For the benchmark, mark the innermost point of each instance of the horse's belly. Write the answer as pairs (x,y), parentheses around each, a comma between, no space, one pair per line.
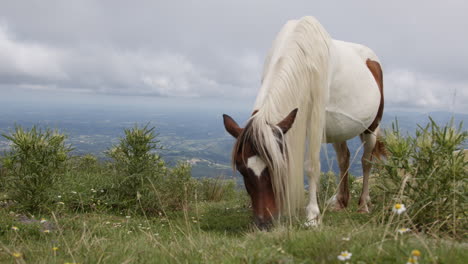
(342,126)
(354,97)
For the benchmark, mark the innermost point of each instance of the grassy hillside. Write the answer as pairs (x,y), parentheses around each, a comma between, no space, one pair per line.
(213,232)
(135,208)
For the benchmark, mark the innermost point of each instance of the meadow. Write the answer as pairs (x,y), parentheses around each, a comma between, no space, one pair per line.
(134,208)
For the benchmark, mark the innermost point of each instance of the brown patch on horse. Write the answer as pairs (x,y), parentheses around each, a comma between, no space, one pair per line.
(376,71)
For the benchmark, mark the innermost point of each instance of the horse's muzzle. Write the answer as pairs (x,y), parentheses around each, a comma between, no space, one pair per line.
(262,224)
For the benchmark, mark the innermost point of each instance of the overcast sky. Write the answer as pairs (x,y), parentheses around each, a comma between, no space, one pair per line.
(215,49)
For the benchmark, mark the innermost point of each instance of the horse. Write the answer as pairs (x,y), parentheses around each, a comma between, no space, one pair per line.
(314,90)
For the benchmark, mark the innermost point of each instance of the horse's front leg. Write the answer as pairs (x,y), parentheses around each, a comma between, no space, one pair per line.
(312,209)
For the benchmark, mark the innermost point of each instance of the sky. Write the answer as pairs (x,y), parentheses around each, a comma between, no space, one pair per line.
(213,50)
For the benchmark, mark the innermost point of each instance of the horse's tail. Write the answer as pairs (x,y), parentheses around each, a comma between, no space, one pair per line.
(380,151)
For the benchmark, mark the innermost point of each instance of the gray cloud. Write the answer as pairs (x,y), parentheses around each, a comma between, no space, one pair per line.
(216,48)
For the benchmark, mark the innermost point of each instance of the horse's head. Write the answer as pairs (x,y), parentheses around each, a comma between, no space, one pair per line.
(253,165)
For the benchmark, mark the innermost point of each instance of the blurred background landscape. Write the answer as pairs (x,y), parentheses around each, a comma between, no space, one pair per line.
(190,130)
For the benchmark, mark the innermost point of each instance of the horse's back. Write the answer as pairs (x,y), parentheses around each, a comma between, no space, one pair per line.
(354,95)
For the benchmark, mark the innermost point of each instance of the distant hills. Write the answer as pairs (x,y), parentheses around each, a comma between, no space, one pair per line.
(194,135)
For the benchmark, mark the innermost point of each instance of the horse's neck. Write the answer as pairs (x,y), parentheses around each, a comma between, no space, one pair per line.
(296,70)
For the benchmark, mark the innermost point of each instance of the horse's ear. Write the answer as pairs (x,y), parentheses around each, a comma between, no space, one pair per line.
(231,126)
(287,122)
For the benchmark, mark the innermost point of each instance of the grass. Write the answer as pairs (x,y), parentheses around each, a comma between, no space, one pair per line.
(213,232)
(164,216)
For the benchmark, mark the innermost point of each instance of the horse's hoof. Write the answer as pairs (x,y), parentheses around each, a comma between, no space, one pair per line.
(311,223)
(363,210)
(338,207)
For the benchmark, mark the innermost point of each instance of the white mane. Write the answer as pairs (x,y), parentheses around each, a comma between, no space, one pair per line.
(296,75)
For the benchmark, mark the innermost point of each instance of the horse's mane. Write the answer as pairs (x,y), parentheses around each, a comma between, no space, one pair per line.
(295,76)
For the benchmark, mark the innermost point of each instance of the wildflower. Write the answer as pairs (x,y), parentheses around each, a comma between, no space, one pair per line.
(345,238)
(128,217)
(73,192)
(60,203)
(16,254)
(107,223)
(415,254)
(403,230)
(14,228)
(43,220)
(55,248)
(59,196)
(412,260)
(281,250)
(345,255)
(47,231)
(399,208)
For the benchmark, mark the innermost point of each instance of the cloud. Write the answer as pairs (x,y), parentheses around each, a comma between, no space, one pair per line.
(216,48)
(414,90)
(29,60)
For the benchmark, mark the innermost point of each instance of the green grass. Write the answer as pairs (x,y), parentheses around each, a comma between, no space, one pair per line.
(209,232)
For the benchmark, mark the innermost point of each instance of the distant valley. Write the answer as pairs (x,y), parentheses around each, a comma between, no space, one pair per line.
(195,136)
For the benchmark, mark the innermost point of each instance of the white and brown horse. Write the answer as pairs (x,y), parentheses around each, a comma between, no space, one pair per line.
(314,90)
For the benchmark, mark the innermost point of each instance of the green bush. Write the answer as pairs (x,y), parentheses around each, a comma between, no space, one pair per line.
(215,190)
(425,174)
(134,163)
(34,164)
(142,181)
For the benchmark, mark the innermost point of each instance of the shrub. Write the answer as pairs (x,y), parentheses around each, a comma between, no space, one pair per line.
(424,173)
(134,163)
(216,189)
(172,191)
(34,164)
(142,180)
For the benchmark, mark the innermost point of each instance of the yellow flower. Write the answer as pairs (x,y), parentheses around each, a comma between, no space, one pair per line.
(403,230)
(412,260)
(345,255)
(399,208)
(14,228)
(416,253)
(47,231)
(16,254)
(43,220)
(55,248)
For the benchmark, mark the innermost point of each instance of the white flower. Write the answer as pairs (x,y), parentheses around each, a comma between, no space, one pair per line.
(399,208)
(345,238)
(43,220)
(14,228)
(403,230)
(345,255)
(73,192)
(59,196)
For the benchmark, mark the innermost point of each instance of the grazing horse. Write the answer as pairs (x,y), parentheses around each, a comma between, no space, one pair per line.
(314,90)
